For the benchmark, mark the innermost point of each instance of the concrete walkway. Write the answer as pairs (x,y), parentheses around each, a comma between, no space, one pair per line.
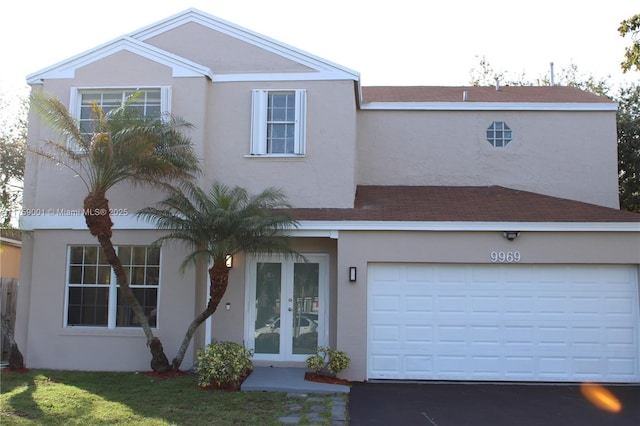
(287,380)
(307,402)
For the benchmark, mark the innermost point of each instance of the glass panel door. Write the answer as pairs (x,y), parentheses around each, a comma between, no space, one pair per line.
(287,318)
(306,305)
(267,316)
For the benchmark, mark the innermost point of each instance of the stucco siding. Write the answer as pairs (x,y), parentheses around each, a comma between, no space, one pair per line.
(323,177)
(227,54)
(9,260)
(48,344)
(548,153)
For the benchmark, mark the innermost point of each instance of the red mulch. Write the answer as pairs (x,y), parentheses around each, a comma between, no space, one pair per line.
(227,387)
(166,375)
(20,370)
(321,378)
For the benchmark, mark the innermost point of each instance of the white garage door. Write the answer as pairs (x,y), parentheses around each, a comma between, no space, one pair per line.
(503,322)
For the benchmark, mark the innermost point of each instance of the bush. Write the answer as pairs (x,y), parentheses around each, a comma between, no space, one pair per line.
(224,364)
(327,360)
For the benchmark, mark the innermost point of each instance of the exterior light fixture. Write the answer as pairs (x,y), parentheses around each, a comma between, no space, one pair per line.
(511,235)
(228,260)
(353,274)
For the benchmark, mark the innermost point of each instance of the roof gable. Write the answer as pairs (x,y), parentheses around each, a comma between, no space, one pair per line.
(323,68)
(181,67)
(136,42)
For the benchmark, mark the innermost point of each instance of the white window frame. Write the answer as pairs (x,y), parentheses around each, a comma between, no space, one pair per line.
(75,101)
(113,292)
(503,140)
(260,98)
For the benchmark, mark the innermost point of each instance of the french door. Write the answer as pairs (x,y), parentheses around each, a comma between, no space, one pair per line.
(287,307)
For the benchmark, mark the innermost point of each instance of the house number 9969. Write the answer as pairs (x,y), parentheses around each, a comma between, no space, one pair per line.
(505,256)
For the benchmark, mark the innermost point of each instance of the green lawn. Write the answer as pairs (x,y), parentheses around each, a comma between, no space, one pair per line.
(47,397)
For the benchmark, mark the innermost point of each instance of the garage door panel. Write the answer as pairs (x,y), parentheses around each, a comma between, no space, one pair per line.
(386,303)
(559,326)
(621,338)
(419,303)
(419,334)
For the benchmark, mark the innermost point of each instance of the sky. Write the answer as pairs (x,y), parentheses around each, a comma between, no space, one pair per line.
(399,42)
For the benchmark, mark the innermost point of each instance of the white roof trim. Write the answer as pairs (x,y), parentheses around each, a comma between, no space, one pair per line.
(331,228)
(298,76)
(348,225)
(10,242)
(322,66)
(181,67)
(489,106)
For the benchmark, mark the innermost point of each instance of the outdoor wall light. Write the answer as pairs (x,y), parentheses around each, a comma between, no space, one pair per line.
(228,260)
(353,274)
(511,235)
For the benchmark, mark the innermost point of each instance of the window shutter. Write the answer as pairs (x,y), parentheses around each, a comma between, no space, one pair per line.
(165,99)
(301,125)
(259,122)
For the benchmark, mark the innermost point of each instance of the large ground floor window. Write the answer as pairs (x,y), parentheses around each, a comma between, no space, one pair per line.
(94,298)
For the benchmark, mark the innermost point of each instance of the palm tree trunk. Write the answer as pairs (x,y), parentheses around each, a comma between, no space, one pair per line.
(96,214)
(218,282)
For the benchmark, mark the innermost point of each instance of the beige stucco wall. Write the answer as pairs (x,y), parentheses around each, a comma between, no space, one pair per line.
(361,248)
(50,186)
(324,177)
(221,115)
(46,343)
(564,154)
(9,260)
(222,54)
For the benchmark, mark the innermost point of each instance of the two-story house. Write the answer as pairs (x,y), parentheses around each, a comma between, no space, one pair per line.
(457,233)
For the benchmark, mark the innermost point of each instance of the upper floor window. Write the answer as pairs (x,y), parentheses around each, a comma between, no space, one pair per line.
(278,122)
(93,296)
(499,134)
(150,102)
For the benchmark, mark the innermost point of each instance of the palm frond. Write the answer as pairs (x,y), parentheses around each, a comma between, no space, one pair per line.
(123,146)
(224,220)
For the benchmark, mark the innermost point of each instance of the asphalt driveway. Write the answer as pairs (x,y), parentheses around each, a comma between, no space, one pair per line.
(458,404)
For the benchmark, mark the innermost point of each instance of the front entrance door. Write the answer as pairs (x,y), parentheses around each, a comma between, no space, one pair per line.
(287,312)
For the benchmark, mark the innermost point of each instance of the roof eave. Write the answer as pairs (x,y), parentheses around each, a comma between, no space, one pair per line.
(467,226)
(181,67)
(488,106)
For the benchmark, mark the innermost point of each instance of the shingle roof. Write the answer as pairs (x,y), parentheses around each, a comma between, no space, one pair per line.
(552,94)
(463,204)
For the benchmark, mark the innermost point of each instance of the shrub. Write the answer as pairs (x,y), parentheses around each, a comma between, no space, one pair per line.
(328,360)
(224,364)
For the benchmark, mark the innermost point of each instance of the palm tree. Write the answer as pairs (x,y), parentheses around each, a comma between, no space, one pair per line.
(122,146)
(218,223)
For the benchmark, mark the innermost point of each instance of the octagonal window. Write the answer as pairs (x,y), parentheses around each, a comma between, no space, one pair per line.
(499,134)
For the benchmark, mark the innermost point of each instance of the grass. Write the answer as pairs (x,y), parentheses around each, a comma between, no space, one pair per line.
(47,397)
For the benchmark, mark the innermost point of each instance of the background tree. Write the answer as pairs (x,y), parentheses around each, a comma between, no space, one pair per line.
(124,146)
(13,142)
(217,223)
(629,147)
(631,27)
(627,119)
(486,75)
